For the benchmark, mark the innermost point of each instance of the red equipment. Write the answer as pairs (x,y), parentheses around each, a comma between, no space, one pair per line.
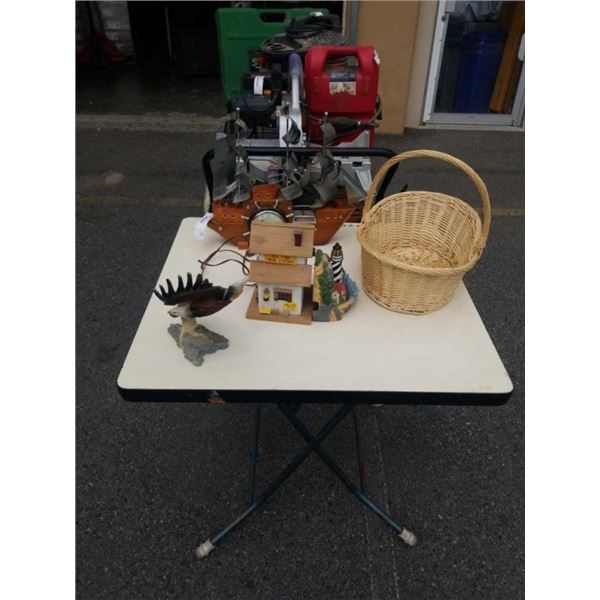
(342,82)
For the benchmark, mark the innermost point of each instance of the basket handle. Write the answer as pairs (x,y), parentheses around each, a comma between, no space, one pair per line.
(485,197)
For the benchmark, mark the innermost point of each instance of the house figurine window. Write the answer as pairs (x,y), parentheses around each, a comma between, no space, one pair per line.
(284,295)
(281,272)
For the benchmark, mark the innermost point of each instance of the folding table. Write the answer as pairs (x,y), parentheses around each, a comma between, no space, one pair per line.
(372,356)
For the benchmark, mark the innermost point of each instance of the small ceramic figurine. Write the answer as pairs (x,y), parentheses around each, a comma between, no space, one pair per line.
(334,292)
(196,299)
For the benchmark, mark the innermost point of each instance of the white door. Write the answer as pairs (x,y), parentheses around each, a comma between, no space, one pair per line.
(477,66)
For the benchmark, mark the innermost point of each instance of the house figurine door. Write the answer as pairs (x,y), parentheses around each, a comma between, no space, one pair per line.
(281,272)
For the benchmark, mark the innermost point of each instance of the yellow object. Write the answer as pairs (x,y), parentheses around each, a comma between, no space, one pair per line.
(291,306)
(264,310)
(416,246)
(280,260)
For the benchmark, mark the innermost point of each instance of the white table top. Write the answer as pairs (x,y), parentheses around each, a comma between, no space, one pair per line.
(447,353)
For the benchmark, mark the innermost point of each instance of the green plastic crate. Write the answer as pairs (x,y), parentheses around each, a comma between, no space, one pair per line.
(242,29)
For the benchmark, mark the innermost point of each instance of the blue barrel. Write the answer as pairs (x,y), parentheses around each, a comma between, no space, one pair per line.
(480,56)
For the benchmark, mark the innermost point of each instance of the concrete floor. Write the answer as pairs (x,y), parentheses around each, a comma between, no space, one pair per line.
(153,480)
(148,87)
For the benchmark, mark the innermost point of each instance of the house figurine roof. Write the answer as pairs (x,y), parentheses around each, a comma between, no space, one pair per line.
(284,239)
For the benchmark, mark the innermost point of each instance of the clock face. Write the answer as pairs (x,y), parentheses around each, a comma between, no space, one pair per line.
(268,215)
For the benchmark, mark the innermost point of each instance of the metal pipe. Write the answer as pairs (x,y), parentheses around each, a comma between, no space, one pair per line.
(353,33)
(341,475)
(295,74)
(359,457)
(208,174)
(210,544)
(255,443)
(168,24)
(343,151)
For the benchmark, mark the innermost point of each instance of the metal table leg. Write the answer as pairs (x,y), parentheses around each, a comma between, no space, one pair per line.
(255,443)
(404,533)
(359,458)
(209,545)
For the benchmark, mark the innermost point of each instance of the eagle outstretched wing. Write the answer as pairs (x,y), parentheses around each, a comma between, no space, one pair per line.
(191,292)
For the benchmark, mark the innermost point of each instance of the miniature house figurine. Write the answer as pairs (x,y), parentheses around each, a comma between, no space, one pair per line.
(281,272)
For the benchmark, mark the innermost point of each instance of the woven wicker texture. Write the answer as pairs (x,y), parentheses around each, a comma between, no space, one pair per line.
(416,246)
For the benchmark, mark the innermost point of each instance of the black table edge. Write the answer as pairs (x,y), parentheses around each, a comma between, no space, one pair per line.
(318,397)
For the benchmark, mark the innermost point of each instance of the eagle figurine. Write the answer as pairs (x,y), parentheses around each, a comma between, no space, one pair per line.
(195,299)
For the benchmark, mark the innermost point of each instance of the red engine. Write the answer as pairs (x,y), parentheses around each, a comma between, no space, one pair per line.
(342,82)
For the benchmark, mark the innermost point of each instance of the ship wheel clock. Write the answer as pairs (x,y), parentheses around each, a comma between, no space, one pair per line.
(264,206)
(268,215)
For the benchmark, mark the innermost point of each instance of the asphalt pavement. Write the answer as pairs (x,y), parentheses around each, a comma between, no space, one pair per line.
(155,479)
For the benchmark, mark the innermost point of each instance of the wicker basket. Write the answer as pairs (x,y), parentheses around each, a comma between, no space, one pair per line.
(416,246)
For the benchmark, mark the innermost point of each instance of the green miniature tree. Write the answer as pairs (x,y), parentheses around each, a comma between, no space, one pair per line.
(318,257)
(326,288)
